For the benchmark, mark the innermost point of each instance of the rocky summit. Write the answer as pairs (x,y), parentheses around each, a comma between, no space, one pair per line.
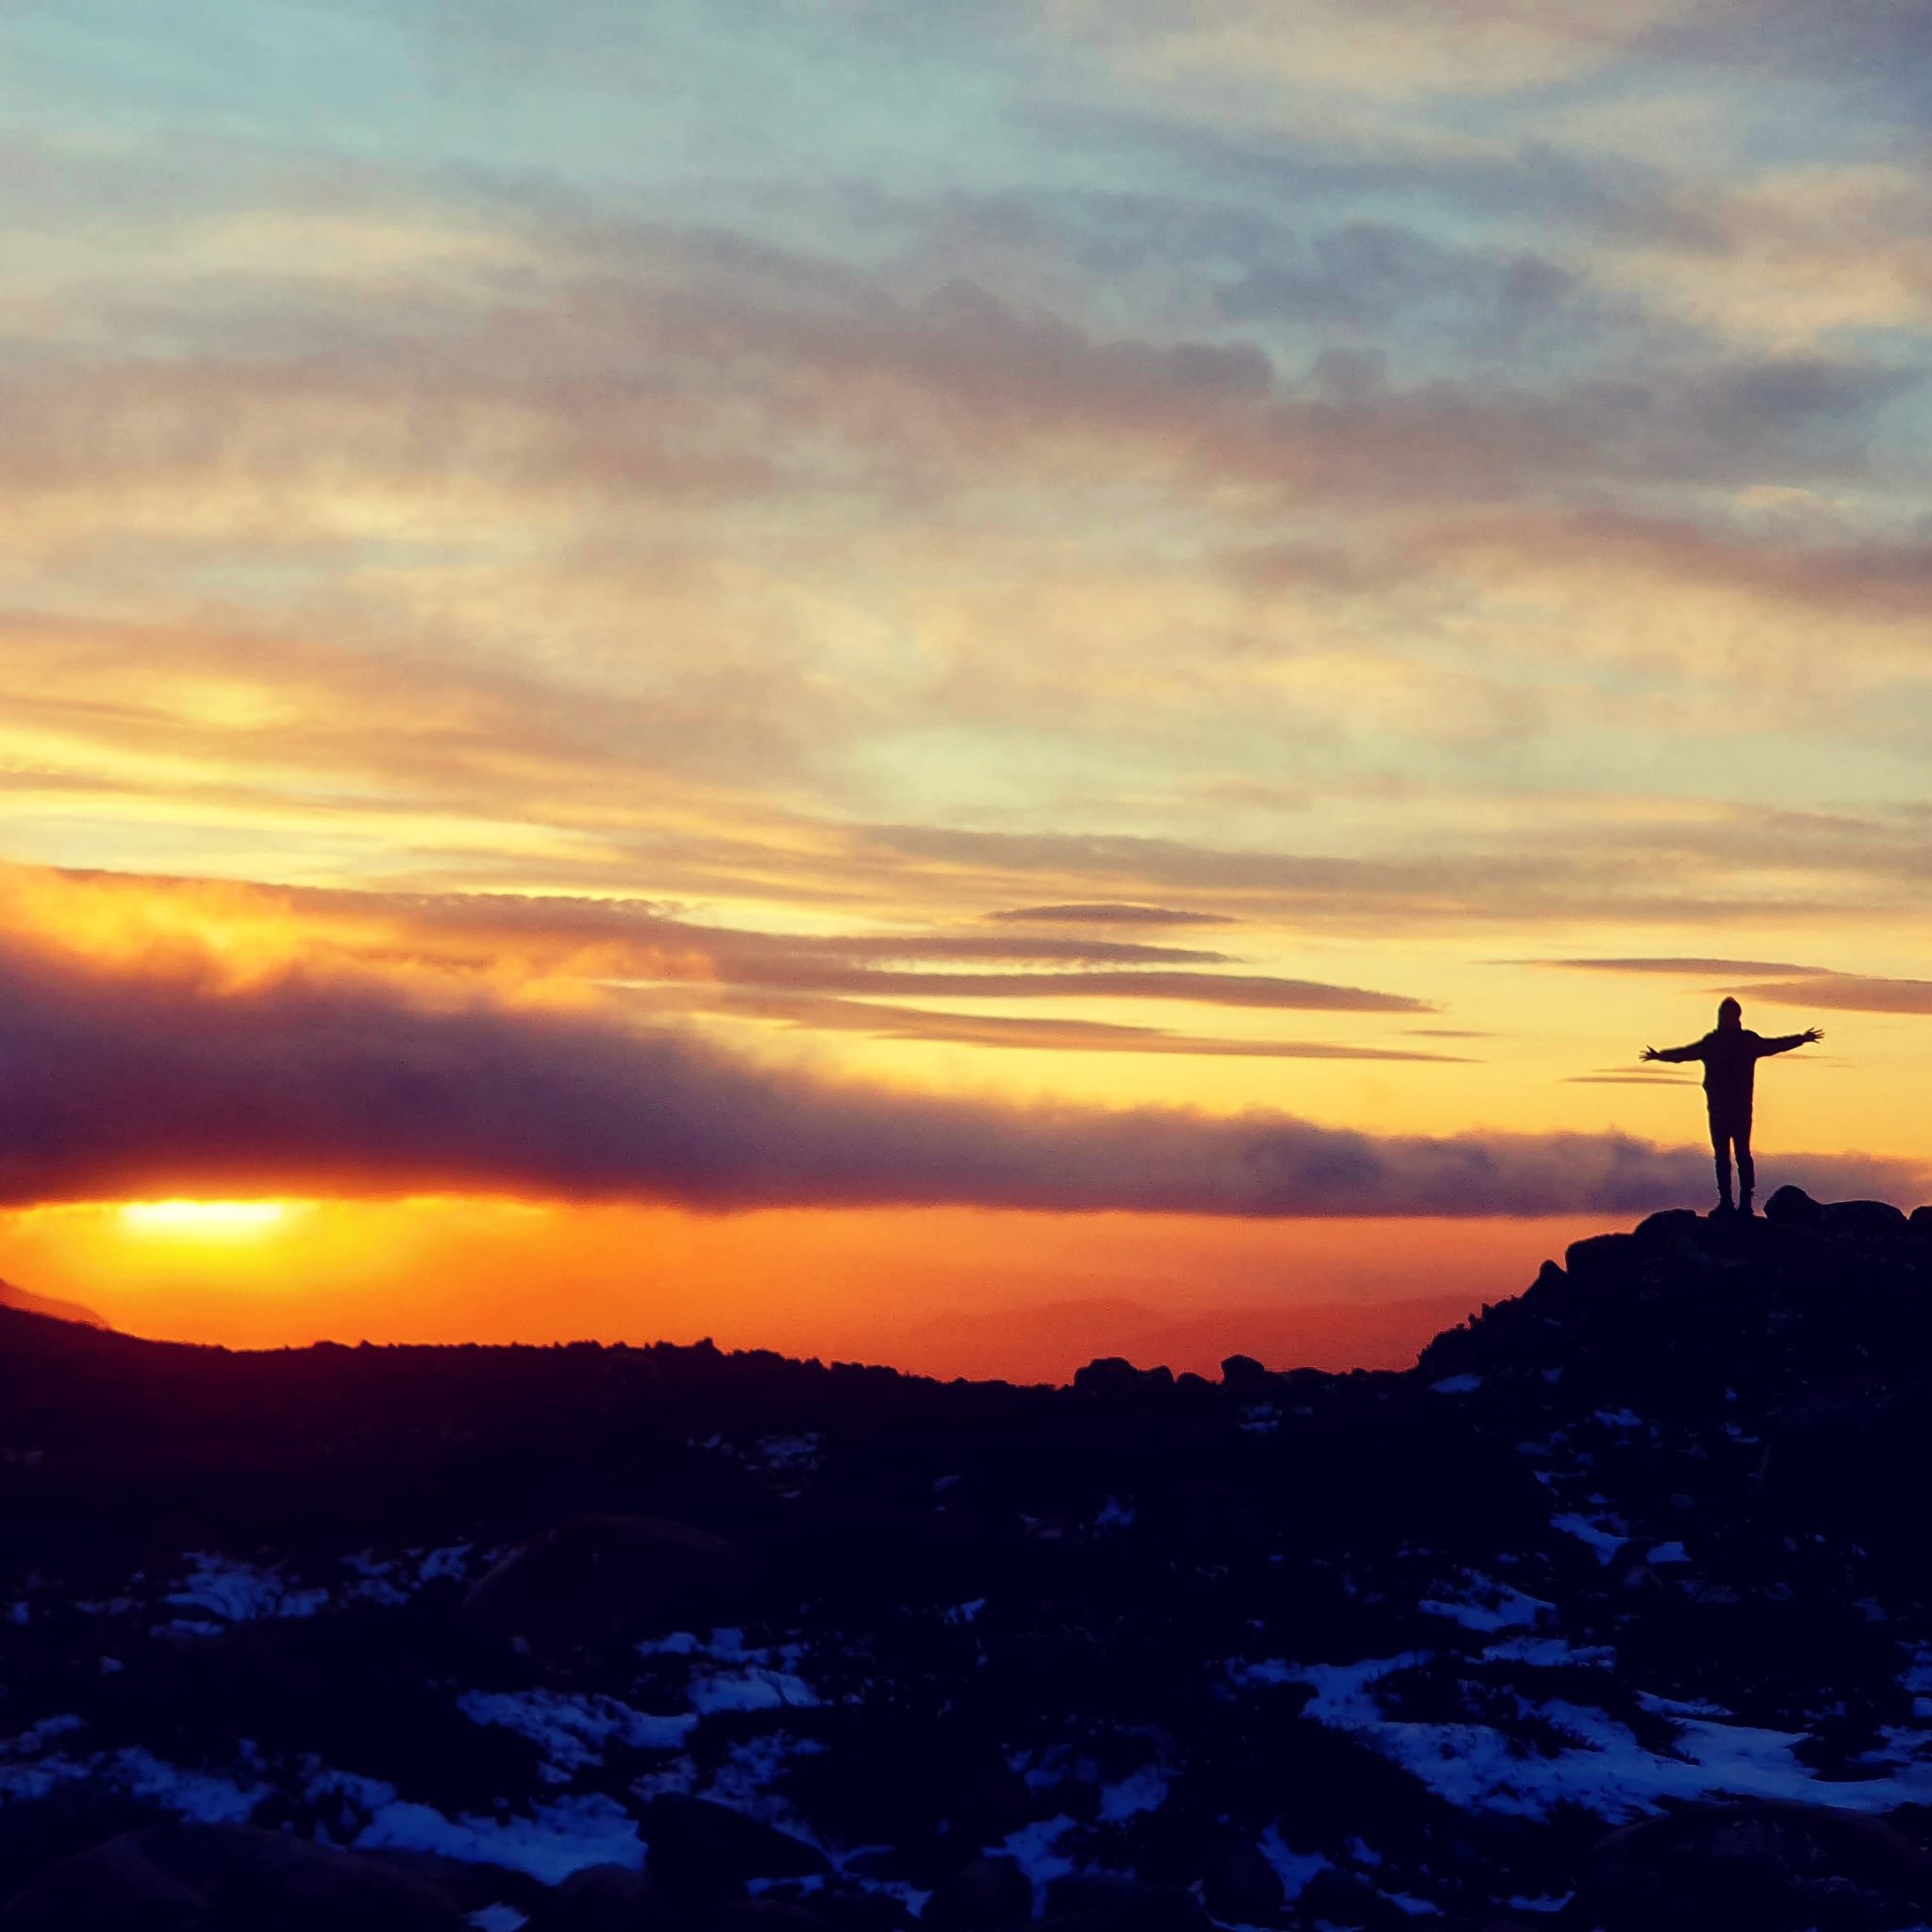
(1615,1611)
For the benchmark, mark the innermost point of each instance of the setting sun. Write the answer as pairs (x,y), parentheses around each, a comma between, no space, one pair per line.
(203,1219)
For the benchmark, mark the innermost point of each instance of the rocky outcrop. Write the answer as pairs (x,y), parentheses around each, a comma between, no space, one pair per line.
(1763,1864)
(595,1578)
(1615,1611)
(225,1878)
(700,1849)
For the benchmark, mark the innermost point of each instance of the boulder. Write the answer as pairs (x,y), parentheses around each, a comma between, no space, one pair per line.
(116,1884)
(702,1850)
(1793,1208)
(1670,1224)
(981,1896)
(603,1898)
(1116,1899)
(1863,1221)
(1244,1375)
(227,1878)
(600,1579)
(1113,1374)
(768,1915)
(469,1885)
(879,1781)
(1774,1866)
(1920,1223)
(1107,1374)
(1238,1884)
(1336,1897)
(1602,1257)
(855,1909)
(36,1833)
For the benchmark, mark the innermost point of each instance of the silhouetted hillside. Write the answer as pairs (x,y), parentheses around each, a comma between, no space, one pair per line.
(1616,1612)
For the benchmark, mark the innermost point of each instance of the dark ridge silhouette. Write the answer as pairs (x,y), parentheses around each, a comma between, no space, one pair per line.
(1729,1054)
(1619,1603)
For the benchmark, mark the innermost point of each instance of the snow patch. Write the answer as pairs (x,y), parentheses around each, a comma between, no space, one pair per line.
(375,1580)
(573,1731)
(552,1842)
(799,1451)
(1484,1604)
(1294,1869)
(1602,1766)
(227,1592)
(756,1688)
(206,1797)
(1032,1848)
(497,1917)
(1605,1542)
(1141,1790)
(1549,1652)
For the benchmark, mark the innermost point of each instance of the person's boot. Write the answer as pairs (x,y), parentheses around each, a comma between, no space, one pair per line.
(1723,1187)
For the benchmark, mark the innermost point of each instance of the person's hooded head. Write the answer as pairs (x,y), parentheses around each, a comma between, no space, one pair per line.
(1730,1015)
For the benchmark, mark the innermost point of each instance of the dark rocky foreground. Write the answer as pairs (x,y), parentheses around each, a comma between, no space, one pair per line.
(1616,1612)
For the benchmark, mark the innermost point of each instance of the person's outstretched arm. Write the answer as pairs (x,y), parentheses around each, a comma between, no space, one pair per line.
(1693,1052)
(1784,1041)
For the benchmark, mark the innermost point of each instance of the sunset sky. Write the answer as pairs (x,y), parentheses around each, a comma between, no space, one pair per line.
(970,683)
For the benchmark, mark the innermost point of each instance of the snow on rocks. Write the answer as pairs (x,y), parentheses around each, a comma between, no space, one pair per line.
(499,1918)
(219,1591)
(547,1842)
(1479,1603)
(1035,1849)
(724,1673)
(1363,1650)
(1604,1542)
(1294,1869)
(574,1730)
(1598,1764)
(1144,1790)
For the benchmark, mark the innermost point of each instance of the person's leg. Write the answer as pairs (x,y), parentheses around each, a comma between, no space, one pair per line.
(1747,1171)
(1720,1151)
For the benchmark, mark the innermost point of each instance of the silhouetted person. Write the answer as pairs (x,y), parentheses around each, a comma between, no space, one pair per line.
(1730,1053)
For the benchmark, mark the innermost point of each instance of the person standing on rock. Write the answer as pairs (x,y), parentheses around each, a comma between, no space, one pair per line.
(1730,1053)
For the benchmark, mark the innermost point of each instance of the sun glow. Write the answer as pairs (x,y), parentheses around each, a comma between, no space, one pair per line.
(204,1219)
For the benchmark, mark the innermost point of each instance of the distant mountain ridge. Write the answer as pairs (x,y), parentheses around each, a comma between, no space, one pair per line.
(1615,1611)
(28,1304)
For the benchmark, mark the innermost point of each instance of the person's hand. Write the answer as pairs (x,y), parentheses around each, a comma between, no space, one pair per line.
(1812,1033)
(1650,1053)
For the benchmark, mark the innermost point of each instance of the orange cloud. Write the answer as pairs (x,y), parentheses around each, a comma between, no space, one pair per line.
(179,1078)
